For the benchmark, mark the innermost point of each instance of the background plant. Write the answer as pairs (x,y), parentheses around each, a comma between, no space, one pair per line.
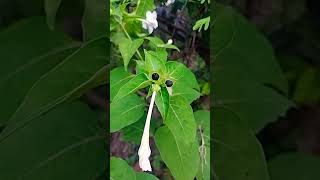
(264,90)
(53,65)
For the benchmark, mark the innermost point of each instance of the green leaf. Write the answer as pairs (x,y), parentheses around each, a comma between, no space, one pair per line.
(128,48)
(240,96)
(133,132)
(184,81)
(237,152)
(118,77)
(202,118)
(51,8)
(143,6)
(162,102)
(182,158)
(153,63)
(125,111)
(78,76)
(241,71)
(180,119)
(119,169)
(135,83)
(294,166)
(145,176)
(255,60)
(32,58)
(95,19)
(200,23)
(56,146)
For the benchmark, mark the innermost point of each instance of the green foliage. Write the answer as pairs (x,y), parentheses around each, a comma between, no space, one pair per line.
(202,22)
(237,152)
(119,169)
(55,146)
(250,69)
(294,166)
(47,132)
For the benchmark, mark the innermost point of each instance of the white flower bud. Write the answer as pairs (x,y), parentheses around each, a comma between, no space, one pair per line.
(170,41)
(169,2)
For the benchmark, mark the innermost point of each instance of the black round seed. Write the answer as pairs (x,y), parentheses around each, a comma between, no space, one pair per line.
(169,83)
(155,76)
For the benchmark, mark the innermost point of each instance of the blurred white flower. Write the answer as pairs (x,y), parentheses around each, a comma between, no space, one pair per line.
(169,2)
(144,149)
(170,41)
(150,23)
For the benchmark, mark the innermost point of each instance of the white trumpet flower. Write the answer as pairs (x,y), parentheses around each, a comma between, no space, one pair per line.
(144,149)
(150,23)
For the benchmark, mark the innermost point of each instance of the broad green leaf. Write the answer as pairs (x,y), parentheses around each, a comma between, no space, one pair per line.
(240,71)
(189,94)
(135,83)
(120,170)
(78,76)
(180,119)
(162,101)
(294,166)
(253,60)
(252,102)
(128,48)
(145,176)
(237,153)
(95,19)
(175,70)
(118,77)
(133,132)
(27,58)
(153,63)
(181,158)
(51,7)
(62,144)
(202,118)
(125,111)
(143,6)
(184,81)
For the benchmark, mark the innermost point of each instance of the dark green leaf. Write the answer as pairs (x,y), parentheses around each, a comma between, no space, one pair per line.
(78,76)
(237,152)
(26,59)
(62,144)
(95,19)
(51,7)
(294,166)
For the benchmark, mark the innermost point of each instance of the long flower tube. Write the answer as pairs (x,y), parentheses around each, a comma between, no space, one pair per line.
(144,149)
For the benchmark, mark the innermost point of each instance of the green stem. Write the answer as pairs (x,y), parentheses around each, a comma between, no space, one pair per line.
(125,31)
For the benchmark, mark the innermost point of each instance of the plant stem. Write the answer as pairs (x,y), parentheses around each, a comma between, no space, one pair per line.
(125,31)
